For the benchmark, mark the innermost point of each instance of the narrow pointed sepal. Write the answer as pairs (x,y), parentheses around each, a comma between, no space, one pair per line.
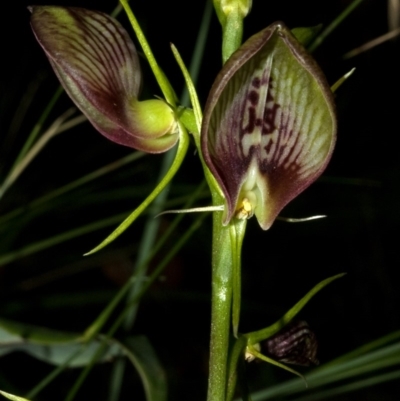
(97,64)
(269,125)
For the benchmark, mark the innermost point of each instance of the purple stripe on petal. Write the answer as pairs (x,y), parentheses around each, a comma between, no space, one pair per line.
(95,52)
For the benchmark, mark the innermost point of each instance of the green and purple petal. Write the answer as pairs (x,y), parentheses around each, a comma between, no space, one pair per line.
(97,64)
(269,125)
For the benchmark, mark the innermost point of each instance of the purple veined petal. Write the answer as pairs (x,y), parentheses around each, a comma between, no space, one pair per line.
(269,125)
(94,51)
(97,64)
(113,131)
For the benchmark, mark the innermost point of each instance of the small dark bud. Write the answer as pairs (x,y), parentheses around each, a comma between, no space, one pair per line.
(295,344)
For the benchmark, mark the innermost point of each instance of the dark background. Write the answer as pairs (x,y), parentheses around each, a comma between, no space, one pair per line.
(359,192)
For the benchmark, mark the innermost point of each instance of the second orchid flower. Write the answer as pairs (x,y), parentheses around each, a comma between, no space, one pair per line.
(97,64)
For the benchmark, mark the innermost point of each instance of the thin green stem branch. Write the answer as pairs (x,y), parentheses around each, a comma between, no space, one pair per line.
(180,155)
(148,238)
(56,372)
(237,231)
(162,80)
(34,151)
(38,126)
(333,25)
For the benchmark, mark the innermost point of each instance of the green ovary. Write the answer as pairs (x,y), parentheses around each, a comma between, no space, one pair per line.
(153,118)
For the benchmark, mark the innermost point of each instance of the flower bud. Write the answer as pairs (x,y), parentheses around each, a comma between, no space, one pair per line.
(295,344)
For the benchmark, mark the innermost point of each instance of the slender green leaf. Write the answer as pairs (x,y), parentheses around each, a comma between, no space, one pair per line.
(334,24)
(12,397)
(142,355)
(50,346)
(260,335)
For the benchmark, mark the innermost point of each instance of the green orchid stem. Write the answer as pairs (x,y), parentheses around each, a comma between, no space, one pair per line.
(226,254)
(221,301)
(226,250)
(232,34)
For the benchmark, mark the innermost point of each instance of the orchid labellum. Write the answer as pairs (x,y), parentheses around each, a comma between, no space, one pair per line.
(269,125)
(97,64)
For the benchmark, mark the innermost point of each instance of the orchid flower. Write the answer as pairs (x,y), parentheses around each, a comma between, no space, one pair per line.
(97,64)
(269,125)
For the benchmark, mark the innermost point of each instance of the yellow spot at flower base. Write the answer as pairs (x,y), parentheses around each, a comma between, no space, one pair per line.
(245,210)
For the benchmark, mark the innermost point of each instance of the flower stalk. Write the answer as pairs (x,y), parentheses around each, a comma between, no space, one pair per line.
(225,299)
(221,304)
